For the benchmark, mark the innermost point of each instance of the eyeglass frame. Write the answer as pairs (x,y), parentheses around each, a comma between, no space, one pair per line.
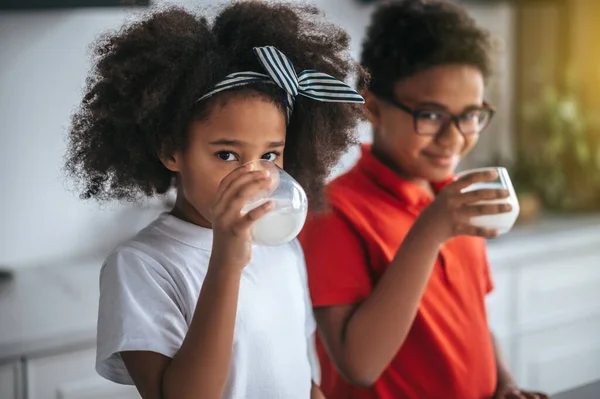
(453,118)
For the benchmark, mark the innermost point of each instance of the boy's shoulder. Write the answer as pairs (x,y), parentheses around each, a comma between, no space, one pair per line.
(359,203)
(356,192)
(354,184)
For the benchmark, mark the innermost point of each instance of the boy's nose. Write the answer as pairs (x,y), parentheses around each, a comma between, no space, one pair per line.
(451,137)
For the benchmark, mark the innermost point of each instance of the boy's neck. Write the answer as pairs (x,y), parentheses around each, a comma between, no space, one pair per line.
(381,157)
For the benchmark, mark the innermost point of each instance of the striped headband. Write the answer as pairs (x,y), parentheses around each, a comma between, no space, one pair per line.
(280,71)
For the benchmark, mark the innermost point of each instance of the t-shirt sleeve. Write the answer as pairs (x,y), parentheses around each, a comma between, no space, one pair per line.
(336,261)
(138,311)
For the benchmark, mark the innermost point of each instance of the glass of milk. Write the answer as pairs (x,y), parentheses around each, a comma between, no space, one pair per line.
(285,220)
(502,222)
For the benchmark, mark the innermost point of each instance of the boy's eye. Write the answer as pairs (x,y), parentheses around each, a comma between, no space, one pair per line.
(431,116)
(473,115)
(271,156)
(226,156)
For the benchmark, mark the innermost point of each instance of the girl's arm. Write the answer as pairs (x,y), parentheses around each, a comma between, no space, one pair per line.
(201,366)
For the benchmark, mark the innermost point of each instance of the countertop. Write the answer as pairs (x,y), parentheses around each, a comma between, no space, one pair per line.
(46,309)
(553,233)
(589,391)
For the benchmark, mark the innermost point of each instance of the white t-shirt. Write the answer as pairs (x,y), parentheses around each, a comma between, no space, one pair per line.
(148,292)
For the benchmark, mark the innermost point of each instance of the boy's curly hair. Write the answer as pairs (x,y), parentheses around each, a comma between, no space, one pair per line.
(408,36)
(141,96)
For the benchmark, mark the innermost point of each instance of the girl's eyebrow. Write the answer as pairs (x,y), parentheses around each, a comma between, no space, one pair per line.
(229,142)
(242,143)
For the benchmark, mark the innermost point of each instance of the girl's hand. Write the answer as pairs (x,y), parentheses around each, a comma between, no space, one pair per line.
(450,213)
(232,242)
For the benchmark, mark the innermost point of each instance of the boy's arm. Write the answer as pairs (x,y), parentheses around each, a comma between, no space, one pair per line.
(362,339)
(505,378)
(506,386)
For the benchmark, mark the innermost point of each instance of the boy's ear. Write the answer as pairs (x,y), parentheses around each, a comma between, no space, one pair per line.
(372,108)
(171,161)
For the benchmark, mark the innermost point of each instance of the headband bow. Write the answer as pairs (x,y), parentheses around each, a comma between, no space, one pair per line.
(280,71)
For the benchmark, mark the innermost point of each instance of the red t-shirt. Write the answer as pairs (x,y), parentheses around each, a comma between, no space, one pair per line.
(448,353)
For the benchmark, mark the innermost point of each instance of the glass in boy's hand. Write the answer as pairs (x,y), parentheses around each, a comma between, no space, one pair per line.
(285,220)
(502,222)
(454,208)
(232,242)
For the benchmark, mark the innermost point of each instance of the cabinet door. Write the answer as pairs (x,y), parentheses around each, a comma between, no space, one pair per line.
(96,388)
(71,376)
(561,358)
(11,382)
(500,302)
(500,305)
(558,290)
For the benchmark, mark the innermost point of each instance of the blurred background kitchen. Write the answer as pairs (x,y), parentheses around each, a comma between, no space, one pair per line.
(546,306)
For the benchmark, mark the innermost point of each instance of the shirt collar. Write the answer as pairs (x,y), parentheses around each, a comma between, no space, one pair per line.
(405,190)
(184,232)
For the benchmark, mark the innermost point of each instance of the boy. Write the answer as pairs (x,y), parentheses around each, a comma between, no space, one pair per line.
(398,276)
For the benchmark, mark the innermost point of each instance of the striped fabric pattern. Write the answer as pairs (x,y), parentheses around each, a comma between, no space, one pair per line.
(280,71)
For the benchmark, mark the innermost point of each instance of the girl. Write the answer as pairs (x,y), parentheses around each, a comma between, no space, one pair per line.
(397,274)
(189,308)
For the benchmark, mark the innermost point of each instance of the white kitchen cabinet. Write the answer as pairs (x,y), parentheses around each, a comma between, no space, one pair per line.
(545,309)
(557,359)
(71,375)
(97,388)
(545,312)
(500,303)
(560,288)
(48,347)
(11,382)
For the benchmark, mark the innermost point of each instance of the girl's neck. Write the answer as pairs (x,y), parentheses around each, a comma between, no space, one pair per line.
(185,211)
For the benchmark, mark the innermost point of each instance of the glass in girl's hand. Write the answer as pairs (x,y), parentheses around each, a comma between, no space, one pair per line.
(285,220)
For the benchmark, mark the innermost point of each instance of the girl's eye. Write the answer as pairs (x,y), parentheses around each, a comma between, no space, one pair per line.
(226,156)
(270,156)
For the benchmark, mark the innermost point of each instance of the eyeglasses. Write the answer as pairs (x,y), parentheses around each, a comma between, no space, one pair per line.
(429,122)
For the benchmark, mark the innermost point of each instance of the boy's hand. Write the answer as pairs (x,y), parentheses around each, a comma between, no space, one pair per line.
(511,392)
(451,211)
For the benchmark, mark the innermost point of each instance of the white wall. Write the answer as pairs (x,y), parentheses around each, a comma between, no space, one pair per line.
(497,139)
(354,19)
(43,65)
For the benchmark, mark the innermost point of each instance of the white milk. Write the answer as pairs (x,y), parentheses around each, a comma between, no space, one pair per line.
(502,222)
(278,226)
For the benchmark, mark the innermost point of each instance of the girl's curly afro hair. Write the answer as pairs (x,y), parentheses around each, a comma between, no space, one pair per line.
(141,95)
